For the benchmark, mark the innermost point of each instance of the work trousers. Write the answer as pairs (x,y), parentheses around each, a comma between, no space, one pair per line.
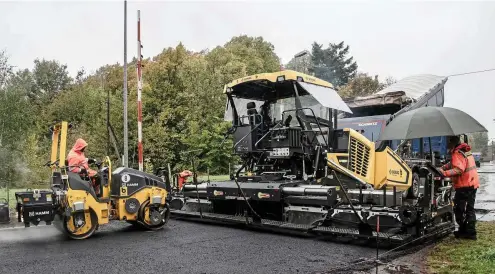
(464,210)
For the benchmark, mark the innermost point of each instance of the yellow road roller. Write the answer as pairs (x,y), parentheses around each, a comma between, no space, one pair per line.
(73,205)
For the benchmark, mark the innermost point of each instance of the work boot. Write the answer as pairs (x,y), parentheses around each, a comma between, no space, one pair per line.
(470,231)
(470,237)
(459,234)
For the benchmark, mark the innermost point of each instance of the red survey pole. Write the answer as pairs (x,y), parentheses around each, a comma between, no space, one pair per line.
(140,87)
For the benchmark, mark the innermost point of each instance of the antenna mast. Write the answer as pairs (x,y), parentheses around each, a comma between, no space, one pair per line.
(140,87)
(126,141)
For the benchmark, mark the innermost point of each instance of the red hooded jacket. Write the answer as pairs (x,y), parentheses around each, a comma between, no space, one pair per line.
(77,158)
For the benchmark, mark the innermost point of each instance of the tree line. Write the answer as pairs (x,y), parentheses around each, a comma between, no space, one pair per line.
(183,104)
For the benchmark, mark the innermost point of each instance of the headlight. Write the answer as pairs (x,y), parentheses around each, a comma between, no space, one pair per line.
(156,200)
(78,206)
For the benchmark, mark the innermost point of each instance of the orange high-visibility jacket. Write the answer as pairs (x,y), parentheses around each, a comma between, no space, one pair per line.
(77,158)
(462,168)
(183,177)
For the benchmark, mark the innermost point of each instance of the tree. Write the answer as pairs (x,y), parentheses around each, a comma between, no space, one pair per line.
(333,64)
(241,56)
(479,142)
(301,64)
(361,85)
(16,118)
(23,81)
(183,107)
(5,69)
(50,77)
(389,81)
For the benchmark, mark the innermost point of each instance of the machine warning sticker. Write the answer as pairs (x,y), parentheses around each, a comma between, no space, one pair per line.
(262,195)
(126,178)
(217,193)
(396,172)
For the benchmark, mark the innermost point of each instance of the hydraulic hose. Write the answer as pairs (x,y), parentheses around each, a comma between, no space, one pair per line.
(347,198)
(245,199)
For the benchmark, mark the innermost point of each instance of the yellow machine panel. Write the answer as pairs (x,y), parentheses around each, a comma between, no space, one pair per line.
(342,159)
(372,167)
(360,157)
(391,170)
(101,209)
(142,196)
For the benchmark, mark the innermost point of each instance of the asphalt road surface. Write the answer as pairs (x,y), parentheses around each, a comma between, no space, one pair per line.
(183,247)
(187,247)
(485,196)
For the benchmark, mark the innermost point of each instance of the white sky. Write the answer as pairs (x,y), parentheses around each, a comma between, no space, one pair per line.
(386,38)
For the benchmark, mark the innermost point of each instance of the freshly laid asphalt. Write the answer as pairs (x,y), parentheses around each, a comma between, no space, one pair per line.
(182,247)
(187,247)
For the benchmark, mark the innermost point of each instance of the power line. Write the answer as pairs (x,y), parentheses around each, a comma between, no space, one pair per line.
(472,72)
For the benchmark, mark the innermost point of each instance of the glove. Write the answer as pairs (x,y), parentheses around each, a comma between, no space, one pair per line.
(442,172)
(91,161)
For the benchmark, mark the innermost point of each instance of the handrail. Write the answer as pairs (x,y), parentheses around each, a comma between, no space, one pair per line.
(300,109)
(266,134)
(256,127)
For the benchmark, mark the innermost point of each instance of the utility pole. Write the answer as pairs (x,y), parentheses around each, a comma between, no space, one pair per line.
(103,74)
(125,160)
(140,88)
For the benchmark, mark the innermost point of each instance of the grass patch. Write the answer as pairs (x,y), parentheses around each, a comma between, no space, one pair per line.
(11,196)
(465,256)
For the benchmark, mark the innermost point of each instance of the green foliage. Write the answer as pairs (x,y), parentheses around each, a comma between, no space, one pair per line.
(301,64)
(5,69)
(183,107)
(363,85)
(333,64)
(479,142)
(16,120)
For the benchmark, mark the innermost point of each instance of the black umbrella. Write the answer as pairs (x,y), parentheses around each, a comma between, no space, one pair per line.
(430,122)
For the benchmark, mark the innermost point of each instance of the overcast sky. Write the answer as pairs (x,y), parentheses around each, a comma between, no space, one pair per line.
(388,39)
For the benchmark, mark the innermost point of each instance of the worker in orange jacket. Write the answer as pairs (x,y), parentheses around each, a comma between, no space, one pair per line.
(78,161)
(462,170)
(183,178)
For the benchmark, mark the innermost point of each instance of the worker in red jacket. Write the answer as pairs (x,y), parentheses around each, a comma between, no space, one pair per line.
(183,178)
(77,161)
(462,170)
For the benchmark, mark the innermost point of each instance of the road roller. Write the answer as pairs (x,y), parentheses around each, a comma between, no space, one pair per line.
(72,204)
